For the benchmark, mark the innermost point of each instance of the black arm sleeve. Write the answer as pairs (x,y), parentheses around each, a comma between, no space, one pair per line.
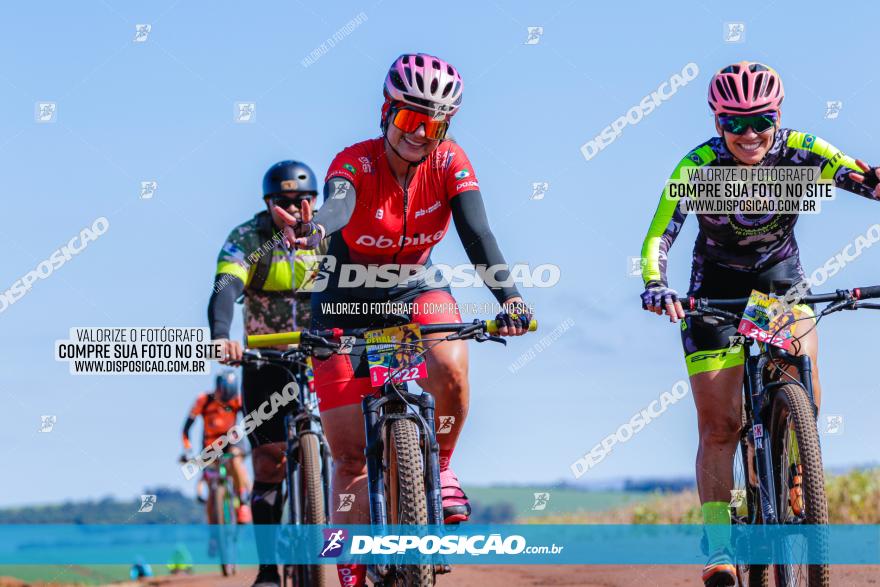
(187,425)
(221,306)
(469,216)
(338,205)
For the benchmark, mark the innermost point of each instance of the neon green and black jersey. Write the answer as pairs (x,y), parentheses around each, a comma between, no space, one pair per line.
(744,242)
(280,303)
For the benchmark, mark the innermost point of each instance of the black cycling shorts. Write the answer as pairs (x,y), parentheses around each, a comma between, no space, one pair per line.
(257,385)
(708,342)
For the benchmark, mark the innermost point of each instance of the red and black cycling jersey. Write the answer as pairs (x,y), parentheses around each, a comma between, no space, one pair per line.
(376,221)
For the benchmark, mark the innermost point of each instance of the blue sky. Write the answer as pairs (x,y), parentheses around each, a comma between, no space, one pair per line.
(163,110)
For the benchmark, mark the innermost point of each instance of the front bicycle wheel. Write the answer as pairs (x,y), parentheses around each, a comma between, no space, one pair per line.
(312,492)
(407,503)
(745,507)
(225,530)
(799,480)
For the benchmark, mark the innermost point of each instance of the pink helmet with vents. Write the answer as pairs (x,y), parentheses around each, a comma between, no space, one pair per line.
(744,88)
(424,82)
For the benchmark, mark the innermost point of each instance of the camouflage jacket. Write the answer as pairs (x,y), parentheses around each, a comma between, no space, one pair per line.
(282,302)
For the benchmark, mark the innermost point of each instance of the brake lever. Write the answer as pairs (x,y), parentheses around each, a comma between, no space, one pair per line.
(714,312)
(473,327)
(312,341)
(471,331)
(838,306)
(484,337)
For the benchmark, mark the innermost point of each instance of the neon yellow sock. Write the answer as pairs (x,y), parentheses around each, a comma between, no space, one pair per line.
(716,517)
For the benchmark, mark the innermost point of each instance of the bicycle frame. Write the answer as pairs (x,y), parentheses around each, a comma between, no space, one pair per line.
(390,403)
(217,476)
(301,419)
(757,397)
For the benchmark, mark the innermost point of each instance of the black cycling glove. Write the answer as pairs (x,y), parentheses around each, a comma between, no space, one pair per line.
(871,179)
(658,295)
(516,314)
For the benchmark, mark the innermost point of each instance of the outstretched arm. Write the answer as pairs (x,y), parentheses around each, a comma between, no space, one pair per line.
(221,306)
(668,219)
(191,417)
(339,200)
(186,427)
(852,175)
(472,225)
(665,226)
(307,230)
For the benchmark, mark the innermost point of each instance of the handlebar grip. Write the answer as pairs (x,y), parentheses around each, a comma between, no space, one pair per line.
(492,326)
(275,339)
(872,291)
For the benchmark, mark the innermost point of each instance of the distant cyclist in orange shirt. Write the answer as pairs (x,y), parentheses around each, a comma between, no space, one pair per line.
(219,410)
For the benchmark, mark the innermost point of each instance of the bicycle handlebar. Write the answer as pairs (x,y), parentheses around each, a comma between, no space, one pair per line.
(865,293)
(289,338)
(859,293)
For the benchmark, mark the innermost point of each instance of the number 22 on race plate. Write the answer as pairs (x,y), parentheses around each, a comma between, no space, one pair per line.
(395,353)
(757,323)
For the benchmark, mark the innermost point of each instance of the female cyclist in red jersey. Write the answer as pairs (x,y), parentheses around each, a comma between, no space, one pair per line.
(387,202)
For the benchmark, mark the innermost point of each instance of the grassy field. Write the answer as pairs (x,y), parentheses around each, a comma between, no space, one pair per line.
(523,502)
(81,574)
(853,498)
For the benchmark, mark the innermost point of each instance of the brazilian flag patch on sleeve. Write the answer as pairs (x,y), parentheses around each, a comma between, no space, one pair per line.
(808,141)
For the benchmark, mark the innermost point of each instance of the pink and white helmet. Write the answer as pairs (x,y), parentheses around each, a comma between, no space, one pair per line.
(426,82)
(744,88)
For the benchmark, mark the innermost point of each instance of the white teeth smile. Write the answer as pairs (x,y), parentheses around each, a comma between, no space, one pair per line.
(749,146)
(413,143)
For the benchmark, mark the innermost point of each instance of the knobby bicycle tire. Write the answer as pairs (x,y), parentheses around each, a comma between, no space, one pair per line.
(312,492)
(407,495)
(225,517)
(792,418)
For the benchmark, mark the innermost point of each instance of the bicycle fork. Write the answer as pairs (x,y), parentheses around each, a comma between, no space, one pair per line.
(375,422)
(292,471)
(759,398)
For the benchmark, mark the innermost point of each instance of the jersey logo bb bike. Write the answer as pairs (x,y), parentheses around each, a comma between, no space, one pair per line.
(384,242)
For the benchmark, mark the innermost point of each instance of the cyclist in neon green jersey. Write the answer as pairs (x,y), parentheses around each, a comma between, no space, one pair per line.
(274,283)
(734,254)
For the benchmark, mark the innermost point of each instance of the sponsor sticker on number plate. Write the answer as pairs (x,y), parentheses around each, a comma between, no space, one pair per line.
(396,354)
(310,374)
(757,322)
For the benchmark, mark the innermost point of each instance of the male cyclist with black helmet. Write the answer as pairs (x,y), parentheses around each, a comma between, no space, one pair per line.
(219,410)
(388,202)
(734,254)
(274,281)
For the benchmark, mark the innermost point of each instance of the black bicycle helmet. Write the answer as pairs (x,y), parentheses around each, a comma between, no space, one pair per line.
(289,176)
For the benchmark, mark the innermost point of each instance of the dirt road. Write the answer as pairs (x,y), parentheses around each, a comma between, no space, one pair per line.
(520,575)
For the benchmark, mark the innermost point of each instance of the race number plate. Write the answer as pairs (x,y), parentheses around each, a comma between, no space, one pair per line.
(766,321)
(396,354)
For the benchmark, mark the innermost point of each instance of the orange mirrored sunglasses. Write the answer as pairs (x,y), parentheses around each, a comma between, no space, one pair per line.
(409,121)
